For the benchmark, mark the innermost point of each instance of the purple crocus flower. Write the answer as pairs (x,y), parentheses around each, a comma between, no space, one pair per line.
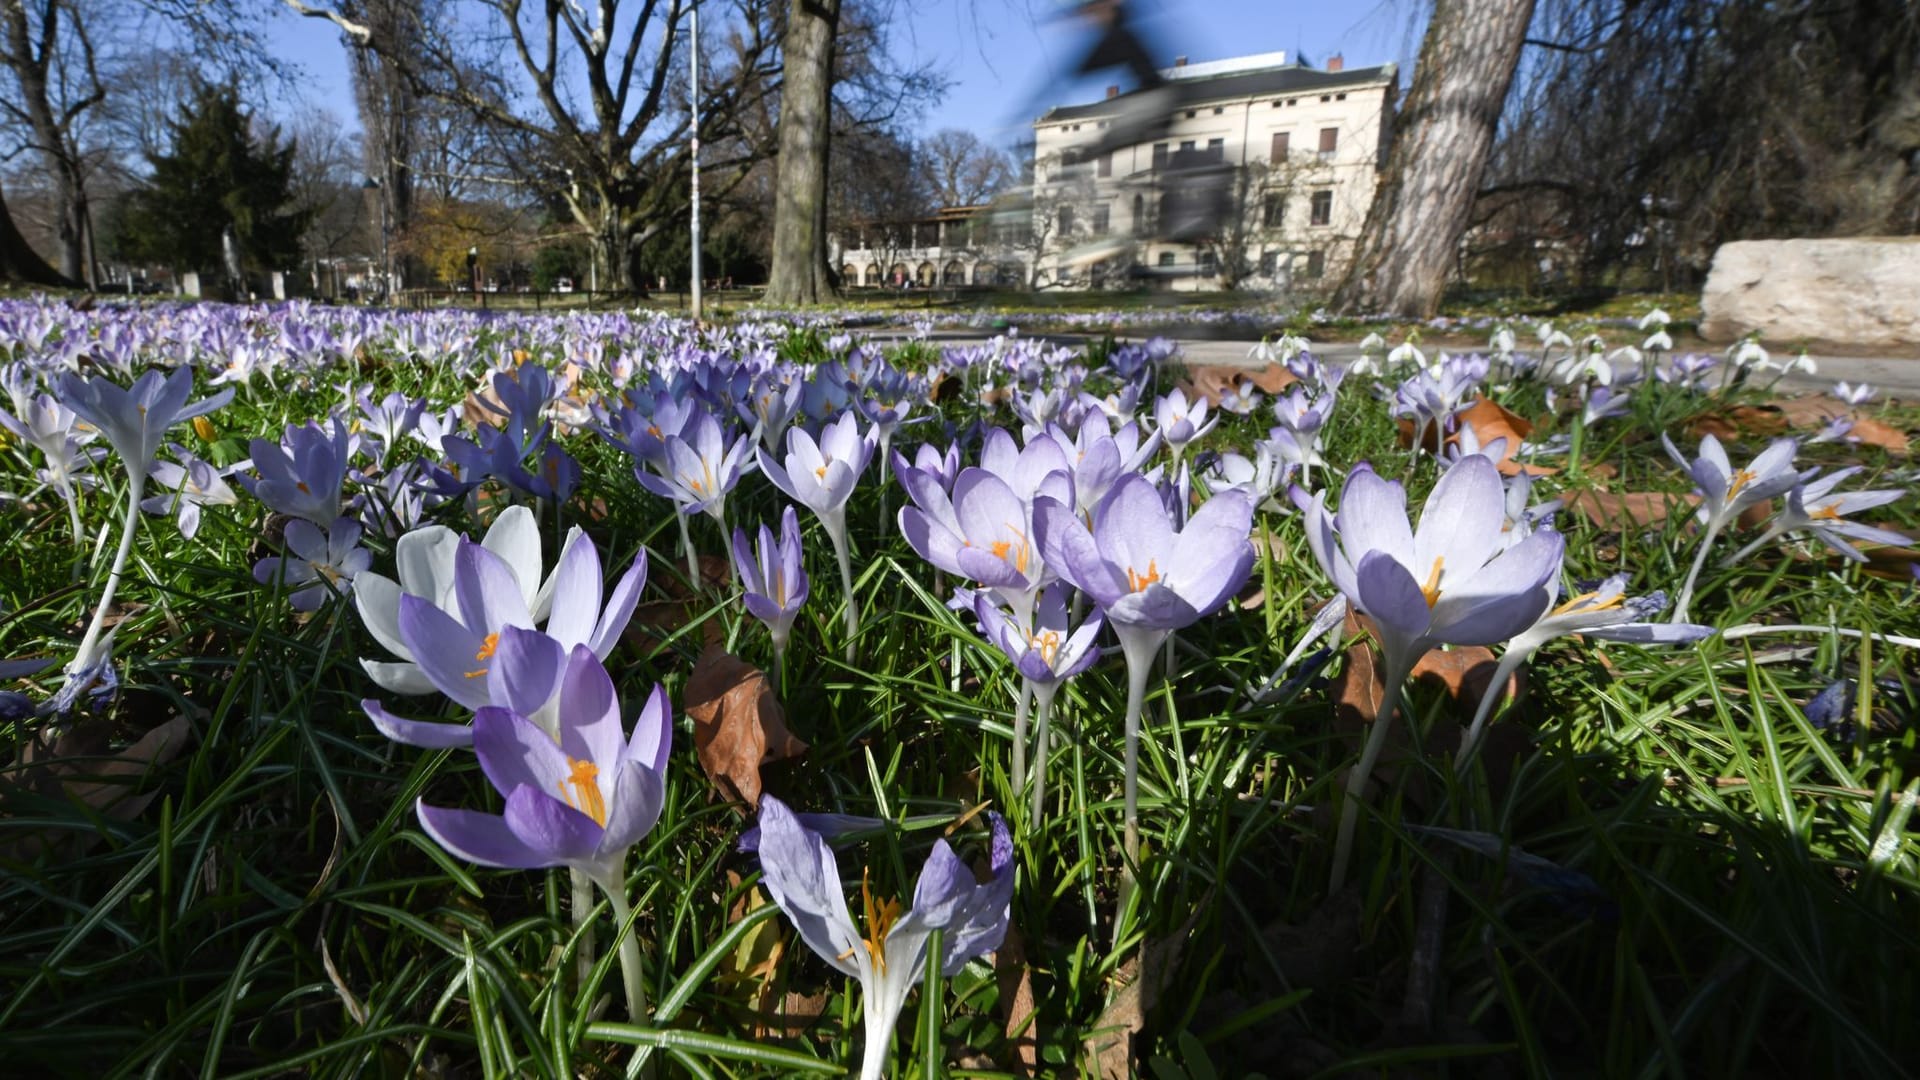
(984,533)
(302,474)
(1180,421)
(1725,492)
(776,579)
(1453,581)
(1812,507)
(1046,654)
(187,487)
(579,797)
(475,641)
(135,420)
(319,565)
(1604,613)
(1149,579)
(890,958)
(698,469)
(821,476)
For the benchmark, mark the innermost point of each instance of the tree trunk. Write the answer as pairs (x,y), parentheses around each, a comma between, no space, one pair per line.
(1442,136)
(799,272)
(18,261)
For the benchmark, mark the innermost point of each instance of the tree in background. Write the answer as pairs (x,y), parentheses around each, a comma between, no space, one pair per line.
(1640,136)
(1442,135)
(961,169)
(220,197)
(800,273)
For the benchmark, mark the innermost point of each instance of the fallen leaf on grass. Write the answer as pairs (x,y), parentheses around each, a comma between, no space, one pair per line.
(1647,509)
(738,725)
(1211,381)
(1808,412)
(1489,421)
(1144,977)
(77,767)
(776,1012)
(1017,1006)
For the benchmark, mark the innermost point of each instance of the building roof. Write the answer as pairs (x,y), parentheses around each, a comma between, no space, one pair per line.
(1289,79)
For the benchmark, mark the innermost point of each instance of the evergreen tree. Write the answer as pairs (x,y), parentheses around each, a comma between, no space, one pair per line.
(219,179)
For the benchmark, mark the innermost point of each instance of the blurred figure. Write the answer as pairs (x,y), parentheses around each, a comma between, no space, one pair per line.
(1197,185)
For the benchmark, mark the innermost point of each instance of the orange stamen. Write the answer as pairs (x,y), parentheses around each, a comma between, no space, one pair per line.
(584,779)
(1137,582)
(487,649)
(1431,590)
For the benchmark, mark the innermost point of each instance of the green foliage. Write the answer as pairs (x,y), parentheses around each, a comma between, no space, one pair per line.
(222,172)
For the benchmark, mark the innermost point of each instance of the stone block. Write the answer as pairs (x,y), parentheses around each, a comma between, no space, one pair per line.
(1861,292)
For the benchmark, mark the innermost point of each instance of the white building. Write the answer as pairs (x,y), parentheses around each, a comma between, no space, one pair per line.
(1295,152)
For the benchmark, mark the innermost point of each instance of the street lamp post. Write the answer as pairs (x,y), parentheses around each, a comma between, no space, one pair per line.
(695,104)
(473,274)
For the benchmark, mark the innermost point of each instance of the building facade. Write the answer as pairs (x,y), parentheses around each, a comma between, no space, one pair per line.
(1288,154)
(1287,157)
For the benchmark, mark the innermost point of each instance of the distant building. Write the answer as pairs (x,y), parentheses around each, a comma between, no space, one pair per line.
(956,245)
(1291,152)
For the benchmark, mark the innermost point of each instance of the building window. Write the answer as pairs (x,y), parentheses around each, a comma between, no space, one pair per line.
(1326,98)
(1293,101)
(1191,114)
(1280,147)
(1277,103)
(1166,258)
(1104,168)
(1102,219)
(1269,263)
(1218,110)
(1321,210)
(1339,97)
(1139,216)
(1066,219)
(1329,142)
(1316,263)
(1160,155)
(1186,146)
(1209,263)
(1274,213)
(1217,149)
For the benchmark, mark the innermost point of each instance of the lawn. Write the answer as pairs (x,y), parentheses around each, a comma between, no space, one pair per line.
(1662,847)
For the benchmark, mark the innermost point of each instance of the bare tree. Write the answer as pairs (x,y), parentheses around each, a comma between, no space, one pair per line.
(49,54)
(1445,129)
(962,169)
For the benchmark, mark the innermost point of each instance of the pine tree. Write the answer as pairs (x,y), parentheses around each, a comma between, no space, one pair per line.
(220,177)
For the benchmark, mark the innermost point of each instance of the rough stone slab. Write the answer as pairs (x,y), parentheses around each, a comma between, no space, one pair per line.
(1856,292)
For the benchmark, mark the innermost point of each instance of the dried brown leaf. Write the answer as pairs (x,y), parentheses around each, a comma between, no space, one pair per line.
(1017,1005)
(1210,381)
(738,724)
(1144,978)
(77,766)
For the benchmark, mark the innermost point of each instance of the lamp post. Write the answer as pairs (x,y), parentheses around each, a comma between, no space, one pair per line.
(695,104)
(386,260)
(473,272)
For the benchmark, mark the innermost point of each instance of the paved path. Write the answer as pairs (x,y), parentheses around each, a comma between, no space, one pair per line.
(1894,376)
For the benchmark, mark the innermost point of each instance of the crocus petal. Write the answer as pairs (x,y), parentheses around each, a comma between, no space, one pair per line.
(1389,594)
(544,823)
(525,670)
(575,594)
(479,838)
(489,597)
(1373,517)
(398,678)
(1461,522)
(515,538)
(652,737)
(1505,597)
(426,734)
(424,559)
(799,871)
(633,808)
(446,651)
(1132,528)
(620,605)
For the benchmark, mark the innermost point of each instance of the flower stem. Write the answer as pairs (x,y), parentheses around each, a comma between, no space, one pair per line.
(630,972)
(693,558)
(1139,644)
(1042,750)
(1357,779)
(79,533)
(1699,560)
(83,658)
(1020,736)
(837,532)
(1510,661)
(580,907)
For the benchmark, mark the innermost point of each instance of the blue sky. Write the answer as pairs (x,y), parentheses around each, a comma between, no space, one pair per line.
(1005,57)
